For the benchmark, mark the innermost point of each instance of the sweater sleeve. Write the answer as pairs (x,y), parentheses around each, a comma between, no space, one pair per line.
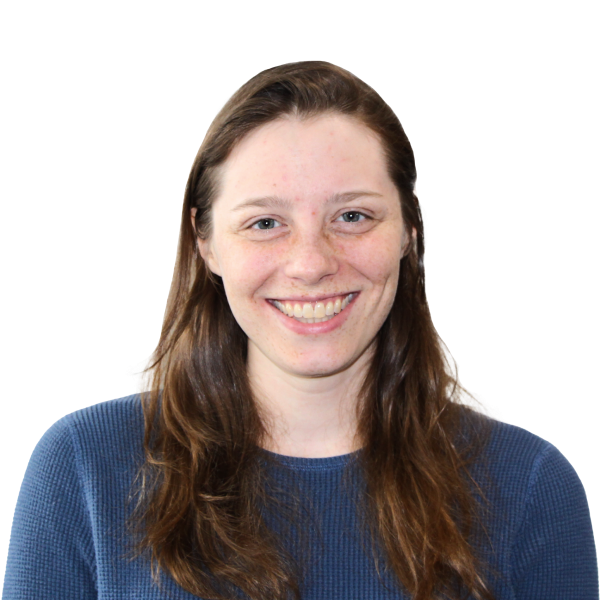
(554,556)
(51,553)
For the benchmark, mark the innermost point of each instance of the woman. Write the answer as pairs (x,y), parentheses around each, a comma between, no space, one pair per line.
(304,435)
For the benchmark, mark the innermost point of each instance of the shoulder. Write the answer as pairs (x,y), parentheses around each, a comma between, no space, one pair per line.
(111,423)
(518,459)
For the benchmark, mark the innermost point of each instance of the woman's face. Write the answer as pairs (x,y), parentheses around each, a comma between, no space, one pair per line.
(305,216)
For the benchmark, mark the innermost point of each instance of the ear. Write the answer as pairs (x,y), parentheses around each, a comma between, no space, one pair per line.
(409,242)
(205,248)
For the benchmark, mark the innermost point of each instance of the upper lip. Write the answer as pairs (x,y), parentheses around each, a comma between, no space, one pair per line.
(311,298)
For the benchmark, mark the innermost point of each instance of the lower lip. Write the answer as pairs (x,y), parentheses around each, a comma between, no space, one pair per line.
(315,328)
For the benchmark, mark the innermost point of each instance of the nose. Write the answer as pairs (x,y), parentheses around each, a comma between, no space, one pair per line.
(311,257)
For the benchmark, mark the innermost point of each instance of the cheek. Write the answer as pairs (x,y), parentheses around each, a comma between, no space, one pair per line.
(383,267)
(244,270)
(256,263)
(377,258)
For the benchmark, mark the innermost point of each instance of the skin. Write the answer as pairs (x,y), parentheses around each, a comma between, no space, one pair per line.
(306,382)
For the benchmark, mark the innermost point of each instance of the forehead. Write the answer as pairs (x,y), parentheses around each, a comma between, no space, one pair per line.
(305,158)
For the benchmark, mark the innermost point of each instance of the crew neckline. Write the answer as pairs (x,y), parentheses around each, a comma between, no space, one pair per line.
(313,464)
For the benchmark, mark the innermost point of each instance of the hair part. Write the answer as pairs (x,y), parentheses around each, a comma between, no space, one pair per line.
(205,475)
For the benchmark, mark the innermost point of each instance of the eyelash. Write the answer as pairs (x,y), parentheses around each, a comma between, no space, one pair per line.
(349,212)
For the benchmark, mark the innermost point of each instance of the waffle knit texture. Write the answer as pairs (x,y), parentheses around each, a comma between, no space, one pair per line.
(68,536)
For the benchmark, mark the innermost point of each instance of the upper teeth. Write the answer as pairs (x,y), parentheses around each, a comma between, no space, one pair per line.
(316,310)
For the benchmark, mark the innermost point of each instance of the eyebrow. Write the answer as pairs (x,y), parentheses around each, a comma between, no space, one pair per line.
(278,202)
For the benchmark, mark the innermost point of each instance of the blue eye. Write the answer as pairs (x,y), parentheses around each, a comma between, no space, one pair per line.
(351,212)
(265,224)
(352,216)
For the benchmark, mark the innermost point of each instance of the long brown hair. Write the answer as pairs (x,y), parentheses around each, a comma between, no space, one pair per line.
(204,482)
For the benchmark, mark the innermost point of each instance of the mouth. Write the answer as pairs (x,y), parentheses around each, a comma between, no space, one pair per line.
(317,311)
(317,325)
(302,302)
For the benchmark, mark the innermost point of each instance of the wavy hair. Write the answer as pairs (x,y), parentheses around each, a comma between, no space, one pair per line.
(203,485)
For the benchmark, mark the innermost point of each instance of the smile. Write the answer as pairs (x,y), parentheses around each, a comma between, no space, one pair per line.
(335,315)
(314,312)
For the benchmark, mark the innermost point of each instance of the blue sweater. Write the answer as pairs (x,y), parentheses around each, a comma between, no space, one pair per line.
(68,539)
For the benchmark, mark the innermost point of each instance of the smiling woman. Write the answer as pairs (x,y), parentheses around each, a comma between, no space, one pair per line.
(302,427)
(304,188)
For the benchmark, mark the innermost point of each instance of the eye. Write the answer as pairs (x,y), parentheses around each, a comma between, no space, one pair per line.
(351,212)
(352,216)
(265,224)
